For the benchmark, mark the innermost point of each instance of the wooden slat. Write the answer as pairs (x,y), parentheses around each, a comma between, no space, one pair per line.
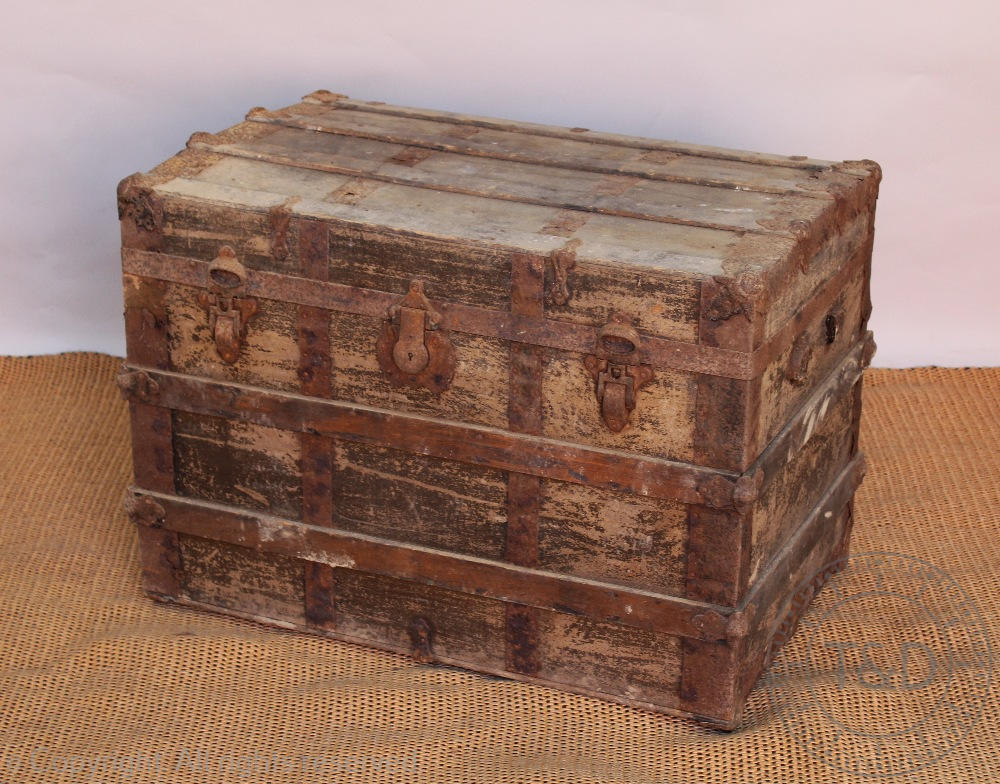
(576,338)
(582,154)
(635,243)
(536,183)
(791,161)
(492,579)
(477,445)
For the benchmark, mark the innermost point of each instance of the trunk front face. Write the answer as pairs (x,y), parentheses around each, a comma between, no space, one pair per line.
(506,449)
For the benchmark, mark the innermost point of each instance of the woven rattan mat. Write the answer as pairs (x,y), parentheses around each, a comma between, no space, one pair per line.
(98,683)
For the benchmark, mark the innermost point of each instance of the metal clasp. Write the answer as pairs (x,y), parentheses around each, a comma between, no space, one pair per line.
(412,349)
(228,314)
(617,372)
(414,316)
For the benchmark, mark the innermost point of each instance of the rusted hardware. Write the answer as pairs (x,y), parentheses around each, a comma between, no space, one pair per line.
(617,373)
(201,139)
(797,371)
(521,639)
(747,490)
(280,219)
(323,96)
(412,349)
(717,491)
(144,510)
(833,324)
(711,624)
(739,296)
(228,313)
(562,262)
(136,384)
(138,203)
(421,633)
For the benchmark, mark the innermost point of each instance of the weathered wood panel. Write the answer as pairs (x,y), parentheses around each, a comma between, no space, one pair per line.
(787,498)
(605,657)
(237,578)
(475,221)
(810,566)
(269,356)
(533,183)
(238,463)
(662,424)
(567,462)
(482,364)
(611,536)
(422,500)
(529,147)
(198,229)
(327,98)
(450,271)
(828,335)
(661,304)
(800,284)
(383,610)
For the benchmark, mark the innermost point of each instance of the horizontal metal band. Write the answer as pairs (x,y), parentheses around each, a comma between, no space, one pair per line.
(567,336)
(505,582)
(452,571)
(475,444)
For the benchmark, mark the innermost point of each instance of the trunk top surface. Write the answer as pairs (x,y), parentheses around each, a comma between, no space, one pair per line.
(623,201)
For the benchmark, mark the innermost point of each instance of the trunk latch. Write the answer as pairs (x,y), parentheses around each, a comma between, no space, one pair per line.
(228,313)
(412,348)
(619,376)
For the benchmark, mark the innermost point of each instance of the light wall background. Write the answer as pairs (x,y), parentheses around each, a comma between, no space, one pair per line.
(95,91)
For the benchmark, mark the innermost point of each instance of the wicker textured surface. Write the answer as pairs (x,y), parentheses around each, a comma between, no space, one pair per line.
(98,683)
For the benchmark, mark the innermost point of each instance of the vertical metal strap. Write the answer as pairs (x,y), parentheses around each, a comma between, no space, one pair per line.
(523,490)
(152,427)
(315,375)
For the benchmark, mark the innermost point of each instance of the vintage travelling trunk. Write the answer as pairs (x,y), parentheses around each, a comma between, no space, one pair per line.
(565,406)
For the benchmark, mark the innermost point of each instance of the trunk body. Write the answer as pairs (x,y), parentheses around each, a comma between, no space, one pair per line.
(563,406)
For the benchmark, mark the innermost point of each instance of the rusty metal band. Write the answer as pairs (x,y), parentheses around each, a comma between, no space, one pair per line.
(152,432)
(476,444)
(314,372)
(451,571)
(524,415)
(567,336)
